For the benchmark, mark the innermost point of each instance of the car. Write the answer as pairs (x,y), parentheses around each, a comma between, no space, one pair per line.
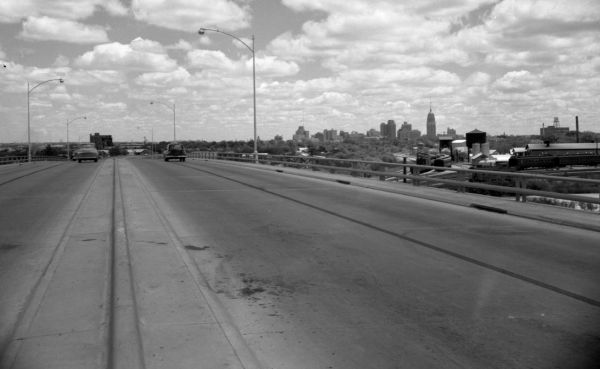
(174,150)
(86,151)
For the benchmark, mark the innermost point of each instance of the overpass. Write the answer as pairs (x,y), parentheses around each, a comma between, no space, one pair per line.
(139,263)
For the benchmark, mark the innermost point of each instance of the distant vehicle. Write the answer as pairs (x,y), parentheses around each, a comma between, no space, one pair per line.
(174,150)
(86,151)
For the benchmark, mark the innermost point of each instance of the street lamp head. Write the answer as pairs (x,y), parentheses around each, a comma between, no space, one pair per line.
(151,102)
(201,31)
(61,80)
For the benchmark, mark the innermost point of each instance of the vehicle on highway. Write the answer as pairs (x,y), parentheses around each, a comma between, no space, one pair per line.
(86,151)
(174,150)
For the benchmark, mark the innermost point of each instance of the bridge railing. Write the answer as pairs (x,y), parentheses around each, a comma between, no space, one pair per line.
(23,159)
(496,182)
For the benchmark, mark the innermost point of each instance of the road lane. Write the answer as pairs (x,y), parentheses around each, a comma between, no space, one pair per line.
(37,203)
(117,293)
(314,282)
(516,245)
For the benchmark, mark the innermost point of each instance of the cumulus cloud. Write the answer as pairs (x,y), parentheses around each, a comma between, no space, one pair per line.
(517,81)
(357,32)
(211,59)
(341,63)
(46,28)
(273,67)
(139,55)
(176,77)
(332,98)
(169,14)
(13,11)
(61,61)
(422,76)
(478,79)
(112,106)
(95,77)
(266,66)
(181,45)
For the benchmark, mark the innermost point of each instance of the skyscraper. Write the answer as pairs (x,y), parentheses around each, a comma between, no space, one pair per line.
(431,124)
(388,130)
(301,135)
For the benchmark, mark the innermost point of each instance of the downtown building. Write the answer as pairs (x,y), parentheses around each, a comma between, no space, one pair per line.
(431,134)
(301,135)
(388,130)
(101,141)
(407,136)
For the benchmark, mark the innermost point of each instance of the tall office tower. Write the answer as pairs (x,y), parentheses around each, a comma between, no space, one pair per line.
(391,129)
(430,123)
(301,134)
(388,130)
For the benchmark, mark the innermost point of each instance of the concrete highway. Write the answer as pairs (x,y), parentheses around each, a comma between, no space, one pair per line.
(140,263)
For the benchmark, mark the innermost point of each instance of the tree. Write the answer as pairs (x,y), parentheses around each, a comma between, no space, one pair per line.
(49,151)
(116,151)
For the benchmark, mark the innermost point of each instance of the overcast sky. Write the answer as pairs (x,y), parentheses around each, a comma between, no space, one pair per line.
(498,66)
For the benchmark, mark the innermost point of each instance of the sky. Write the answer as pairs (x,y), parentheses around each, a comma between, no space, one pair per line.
(500,66)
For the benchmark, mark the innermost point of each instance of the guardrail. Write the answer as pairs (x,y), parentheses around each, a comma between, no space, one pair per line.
(517,184)
(23,159)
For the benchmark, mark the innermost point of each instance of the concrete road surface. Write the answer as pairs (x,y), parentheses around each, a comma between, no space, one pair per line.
(140,263)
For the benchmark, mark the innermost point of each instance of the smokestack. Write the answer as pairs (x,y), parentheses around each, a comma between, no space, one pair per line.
(577,127)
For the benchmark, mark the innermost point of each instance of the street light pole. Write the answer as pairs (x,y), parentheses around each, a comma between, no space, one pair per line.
(170,107)
(68,146)
(201,31)
(29,91)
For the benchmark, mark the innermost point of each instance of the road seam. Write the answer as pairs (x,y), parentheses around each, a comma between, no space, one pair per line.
(239,346)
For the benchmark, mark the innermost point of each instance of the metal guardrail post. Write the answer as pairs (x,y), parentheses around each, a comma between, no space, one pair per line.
(460,176)
(521,183)
(415,172)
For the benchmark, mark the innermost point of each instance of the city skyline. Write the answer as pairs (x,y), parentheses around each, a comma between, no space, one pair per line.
(498,66)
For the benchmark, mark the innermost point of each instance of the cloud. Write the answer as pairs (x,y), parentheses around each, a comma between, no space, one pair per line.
(61,61)
(517,81)
(211,59)
(147,46)
(181,45)
(13,11)
(361,34)
(332,98)
(41,74)
(94,77)
(190,15)
(273,67)
(177,77)
(421,76)
(478,79)
(221,66)
(474,17)
(139,55)
(46,28)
